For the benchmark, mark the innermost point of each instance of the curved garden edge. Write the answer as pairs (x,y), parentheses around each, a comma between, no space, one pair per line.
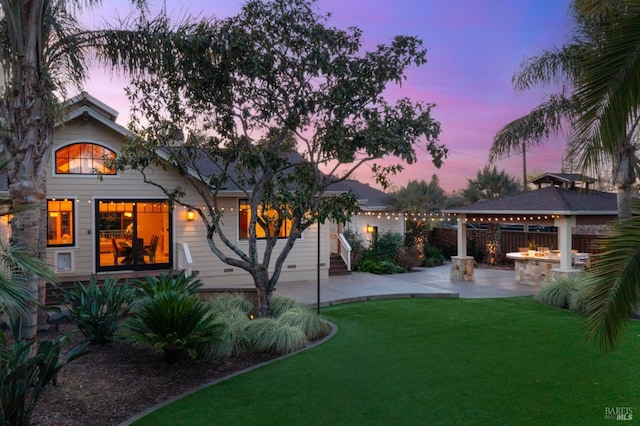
(334,330)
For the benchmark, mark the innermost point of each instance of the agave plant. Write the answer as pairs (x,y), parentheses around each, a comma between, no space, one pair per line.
(97,310)
(26,367)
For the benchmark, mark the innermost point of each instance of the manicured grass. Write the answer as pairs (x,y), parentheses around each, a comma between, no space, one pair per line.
(431,361)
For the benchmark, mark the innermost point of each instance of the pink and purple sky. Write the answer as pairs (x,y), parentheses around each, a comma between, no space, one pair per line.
(473,49)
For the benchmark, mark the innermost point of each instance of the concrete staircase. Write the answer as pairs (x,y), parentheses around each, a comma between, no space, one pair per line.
(337,266)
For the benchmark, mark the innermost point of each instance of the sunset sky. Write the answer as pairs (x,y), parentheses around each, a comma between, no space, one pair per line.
(473,49)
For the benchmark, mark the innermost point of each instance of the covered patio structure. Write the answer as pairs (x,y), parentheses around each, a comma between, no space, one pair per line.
(560,206)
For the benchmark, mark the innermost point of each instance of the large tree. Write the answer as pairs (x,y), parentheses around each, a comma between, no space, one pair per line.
(419,200)
(270,97)
(43,50)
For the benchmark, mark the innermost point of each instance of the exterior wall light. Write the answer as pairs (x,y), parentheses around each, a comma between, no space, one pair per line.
(190,215)
(370,229)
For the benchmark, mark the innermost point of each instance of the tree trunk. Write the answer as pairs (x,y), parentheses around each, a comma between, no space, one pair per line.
(624,178)
(264,294)
(29,128)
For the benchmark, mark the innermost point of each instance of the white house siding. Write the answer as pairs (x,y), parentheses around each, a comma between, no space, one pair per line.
(300,265)
(386,222)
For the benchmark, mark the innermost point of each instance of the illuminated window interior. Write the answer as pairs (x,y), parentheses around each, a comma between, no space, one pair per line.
(84,159)
(60,230)
(133,234)
(270,216)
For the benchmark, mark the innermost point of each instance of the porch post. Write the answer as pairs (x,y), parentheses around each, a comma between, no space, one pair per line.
(565,225)
(462,235)
(462,265)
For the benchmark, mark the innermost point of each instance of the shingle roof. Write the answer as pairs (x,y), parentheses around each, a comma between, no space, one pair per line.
(369,198)
(550,200)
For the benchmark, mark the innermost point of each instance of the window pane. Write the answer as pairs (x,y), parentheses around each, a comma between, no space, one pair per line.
(84,158)
(270,216)
(60,228)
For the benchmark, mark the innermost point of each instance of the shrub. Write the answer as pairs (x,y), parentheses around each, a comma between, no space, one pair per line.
(268,335)
(311,324)
(232,334)
(379,267)
(230,302)
(172,318)
(432,256)
(166,282)
(408,257)
(24,373)
(578,300)
(282,304)
(387,245)
(557,292)
(97,310)
(357,246)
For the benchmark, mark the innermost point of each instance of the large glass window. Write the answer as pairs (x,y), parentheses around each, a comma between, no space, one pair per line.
(60,229)
(84,159)
(133,234)
(270,216)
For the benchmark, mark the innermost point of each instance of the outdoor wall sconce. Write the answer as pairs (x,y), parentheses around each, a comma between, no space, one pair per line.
(370,229)
(190,215)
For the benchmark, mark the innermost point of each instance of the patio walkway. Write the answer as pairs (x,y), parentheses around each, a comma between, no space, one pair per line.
(422,282)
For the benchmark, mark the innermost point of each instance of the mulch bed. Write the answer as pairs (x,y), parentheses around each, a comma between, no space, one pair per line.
(116,381)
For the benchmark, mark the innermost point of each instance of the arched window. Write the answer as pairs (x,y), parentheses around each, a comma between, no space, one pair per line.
(84,159)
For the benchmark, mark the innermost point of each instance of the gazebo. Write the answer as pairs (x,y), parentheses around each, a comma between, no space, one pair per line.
(562,204)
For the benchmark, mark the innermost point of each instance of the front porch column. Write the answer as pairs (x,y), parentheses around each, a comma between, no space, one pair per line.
(565,226)
(462,265)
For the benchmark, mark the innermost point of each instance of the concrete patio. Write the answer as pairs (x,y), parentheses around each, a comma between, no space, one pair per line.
(422,282)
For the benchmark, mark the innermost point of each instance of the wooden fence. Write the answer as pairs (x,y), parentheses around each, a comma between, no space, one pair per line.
(446,240)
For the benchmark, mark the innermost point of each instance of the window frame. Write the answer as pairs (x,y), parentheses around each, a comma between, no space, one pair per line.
(284,231)
(59,214)
(93,171)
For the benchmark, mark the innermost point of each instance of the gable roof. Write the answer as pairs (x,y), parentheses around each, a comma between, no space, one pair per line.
(548,201)
(369,198)
(84,105)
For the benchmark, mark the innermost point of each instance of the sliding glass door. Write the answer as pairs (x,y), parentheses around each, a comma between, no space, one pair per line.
(133,234)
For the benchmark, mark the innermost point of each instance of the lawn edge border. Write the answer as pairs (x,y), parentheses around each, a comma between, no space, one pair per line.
(333,332)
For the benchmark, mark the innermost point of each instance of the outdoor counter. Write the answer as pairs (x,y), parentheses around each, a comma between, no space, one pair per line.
(533,269)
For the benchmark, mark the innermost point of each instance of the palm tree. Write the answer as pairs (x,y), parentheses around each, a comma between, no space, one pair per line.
(419,199)
(490,184)
(42,49)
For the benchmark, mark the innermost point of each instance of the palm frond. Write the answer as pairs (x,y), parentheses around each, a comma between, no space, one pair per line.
(612,290)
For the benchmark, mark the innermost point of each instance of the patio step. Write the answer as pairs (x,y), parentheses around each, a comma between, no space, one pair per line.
(337,266)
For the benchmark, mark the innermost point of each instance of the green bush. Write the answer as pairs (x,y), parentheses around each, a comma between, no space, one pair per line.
(232,334)
(97,310)
(387,245)
(26,367)
(282,304)
(269,335)
(311,324)
(151,286)
(557,292)
(578,300)
(379,267)
(357,246)
(230,302)
(171,317)
(433,256)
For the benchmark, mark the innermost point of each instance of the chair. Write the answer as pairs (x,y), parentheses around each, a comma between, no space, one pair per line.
(150,250)
(118,251)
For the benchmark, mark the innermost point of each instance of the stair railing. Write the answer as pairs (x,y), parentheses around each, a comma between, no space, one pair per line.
(345,250)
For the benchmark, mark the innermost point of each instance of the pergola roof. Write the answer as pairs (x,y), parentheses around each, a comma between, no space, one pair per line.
(545,202)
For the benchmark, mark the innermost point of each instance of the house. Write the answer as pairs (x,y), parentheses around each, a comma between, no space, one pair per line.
(117,225)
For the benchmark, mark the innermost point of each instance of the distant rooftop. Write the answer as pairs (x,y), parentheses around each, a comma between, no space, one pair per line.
(563,180)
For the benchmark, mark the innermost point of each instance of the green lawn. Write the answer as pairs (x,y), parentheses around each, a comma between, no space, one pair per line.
(431,361)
